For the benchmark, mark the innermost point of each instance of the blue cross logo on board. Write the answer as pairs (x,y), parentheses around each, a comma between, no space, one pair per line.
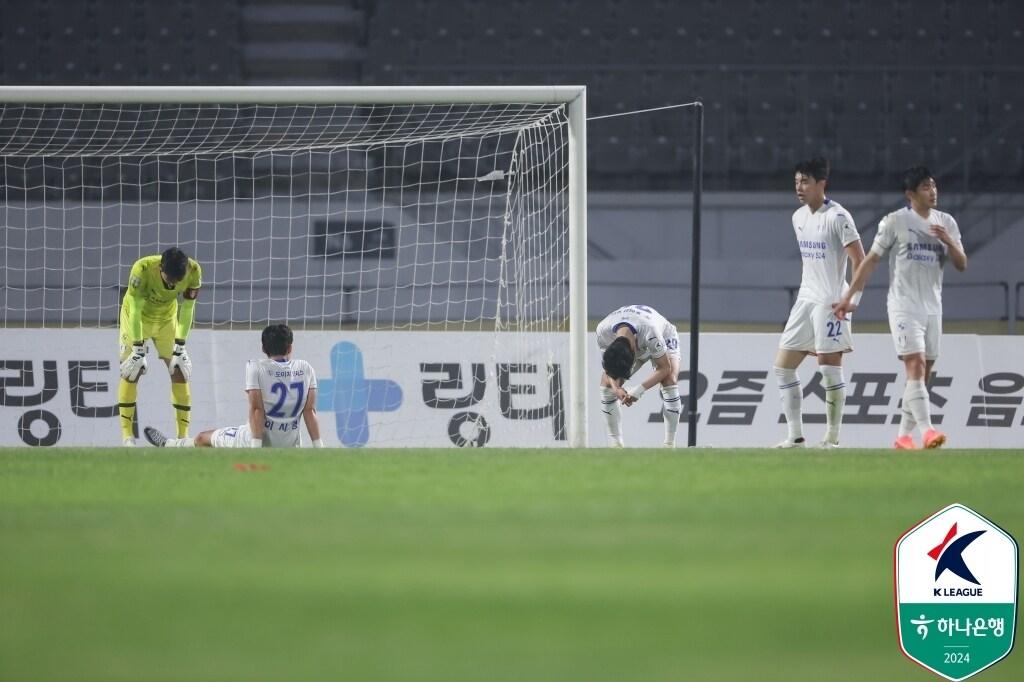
(351,396)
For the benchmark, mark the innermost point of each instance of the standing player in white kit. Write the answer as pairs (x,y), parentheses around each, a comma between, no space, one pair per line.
(827,237)
(627,338)
(279,389)
(918,240)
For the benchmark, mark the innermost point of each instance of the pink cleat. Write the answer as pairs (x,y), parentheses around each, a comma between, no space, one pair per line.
(905,443)
(934,439)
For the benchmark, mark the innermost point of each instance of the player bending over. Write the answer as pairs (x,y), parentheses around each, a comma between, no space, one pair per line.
(279,389)
(827,237)
(150,311)
(628,338)
(918,240)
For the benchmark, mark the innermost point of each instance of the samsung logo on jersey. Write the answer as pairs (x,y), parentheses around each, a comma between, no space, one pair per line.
(918,246)
(808,244)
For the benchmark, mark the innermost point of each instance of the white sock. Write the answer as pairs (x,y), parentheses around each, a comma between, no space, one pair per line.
(612,415)
(180,443)
(671,408)
(835,399)
(915,398)
(907,421)
(791,397)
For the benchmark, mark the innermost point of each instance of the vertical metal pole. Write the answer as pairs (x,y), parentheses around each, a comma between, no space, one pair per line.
(578,271)
(698,181)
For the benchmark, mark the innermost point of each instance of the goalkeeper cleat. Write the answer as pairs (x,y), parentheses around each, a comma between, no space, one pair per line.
(155,437)
(828,444)
(669,446)
(934,439)
(791,443)
(128,443)
(616,442)
(905,443)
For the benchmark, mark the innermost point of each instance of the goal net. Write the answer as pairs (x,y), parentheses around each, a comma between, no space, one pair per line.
(422,244)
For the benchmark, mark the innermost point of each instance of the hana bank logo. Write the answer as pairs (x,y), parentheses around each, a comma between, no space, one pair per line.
(351,396)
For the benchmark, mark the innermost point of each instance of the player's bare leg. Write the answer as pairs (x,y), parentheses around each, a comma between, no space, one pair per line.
(831,367)
(915,401)
(671,403)
(612,413)
(786,362)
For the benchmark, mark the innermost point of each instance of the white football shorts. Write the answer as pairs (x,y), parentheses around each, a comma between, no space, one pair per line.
(915,333)
(814,328)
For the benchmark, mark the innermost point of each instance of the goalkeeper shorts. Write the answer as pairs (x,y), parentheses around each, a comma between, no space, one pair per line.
(161,331)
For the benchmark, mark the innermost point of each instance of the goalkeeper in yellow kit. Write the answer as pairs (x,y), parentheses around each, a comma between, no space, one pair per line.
(150,311)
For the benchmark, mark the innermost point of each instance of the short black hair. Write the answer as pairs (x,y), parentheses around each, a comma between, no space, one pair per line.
(816,168)
(618,359)
(913,177)
(174,263)
(276,339)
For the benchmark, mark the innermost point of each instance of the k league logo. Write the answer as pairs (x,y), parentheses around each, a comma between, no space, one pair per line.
(956,592)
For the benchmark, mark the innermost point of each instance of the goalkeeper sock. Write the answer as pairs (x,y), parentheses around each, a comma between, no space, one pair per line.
(671,403)
(181,400)
(180,443)
(835,399)
(915,398)
(612,415)
(127,393)
(791,398)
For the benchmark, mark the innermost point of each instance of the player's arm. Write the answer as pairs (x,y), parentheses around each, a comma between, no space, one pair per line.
(310,419)
(861,276)
(134,300)
(855,250)
(257,416)
(180,359)
(953,246)
(186,314)
(662,370)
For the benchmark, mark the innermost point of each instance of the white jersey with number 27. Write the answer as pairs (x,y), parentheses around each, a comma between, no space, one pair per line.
(284,385)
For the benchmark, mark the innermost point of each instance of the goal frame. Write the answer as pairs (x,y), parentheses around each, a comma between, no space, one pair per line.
(574,97)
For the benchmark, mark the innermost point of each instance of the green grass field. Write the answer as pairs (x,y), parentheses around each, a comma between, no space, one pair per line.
(471,565)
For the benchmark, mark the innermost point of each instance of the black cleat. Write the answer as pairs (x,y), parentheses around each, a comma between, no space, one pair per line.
(155,437)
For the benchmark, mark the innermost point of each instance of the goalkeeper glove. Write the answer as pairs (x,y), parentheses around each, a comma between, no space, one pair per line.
(180,360)
(134,366)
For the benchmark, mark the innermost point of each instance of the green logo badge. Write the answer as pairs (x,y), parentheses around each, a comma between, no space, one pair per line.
(956,592)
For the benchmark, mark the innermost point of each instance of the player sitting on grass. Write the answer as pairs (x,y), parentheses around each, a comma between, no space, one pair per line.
(918,240)
(279,388)
(629,337)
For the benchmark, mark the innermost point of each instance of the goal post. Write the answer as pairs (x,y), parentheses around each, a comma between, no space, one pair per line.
(345,211)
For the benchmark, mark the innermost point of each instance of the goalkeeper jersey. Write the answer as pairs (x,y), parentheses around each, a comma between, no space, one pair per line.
(284,386)
(159,303)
